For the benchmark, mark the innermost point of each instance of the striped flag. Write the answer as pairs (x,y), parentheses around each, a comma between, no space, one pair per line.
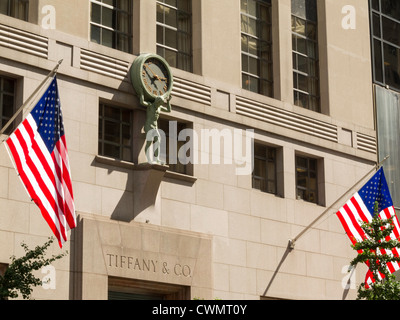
(360,208)
(39,151)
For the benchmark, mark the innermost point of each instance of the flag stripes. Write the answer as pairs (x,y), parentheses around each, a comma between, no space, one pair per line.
(45,173)
(359,209)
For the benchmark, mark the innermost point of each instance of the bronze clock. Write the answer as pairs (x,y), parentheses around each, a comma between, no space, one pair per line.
(151,77)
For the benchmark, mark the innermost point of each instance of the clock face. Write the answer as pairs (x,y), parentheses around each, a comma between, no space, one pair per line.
(156,77)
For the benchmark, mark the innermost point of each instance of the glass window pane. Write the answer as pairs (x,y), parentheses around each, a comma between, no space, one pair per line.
(299,8)
(127,154)
(170,17)
(4,7)
(253,84)
(111,151)
(311,49)
(376,25)
(112,113)
(95,34)
(184,62)
(170,2)
(160,13)
(245,63)
(184,44)
(171,57)
(392,72)
(265,32)
(107,17)
(123,5)
(160,34)
(109,2)
(311,31)
(184,23)
(243,6)
(311,10)
(375,4)
(314,104)
(253,48)
(388,131)
(253,65)
(252,7)
(302,83)
(252,27)
(126,135)
(378,61)
(301,45)
(170,38)
(391,31)
(96,13)
(271,170)
(8,106)
(107,38)
(302,64)
(123,43)
(111,131)
(299,26)
(391,8)
(123,22)
(8,86)
(271,187)
(245,47)
(184,5)
(302,100)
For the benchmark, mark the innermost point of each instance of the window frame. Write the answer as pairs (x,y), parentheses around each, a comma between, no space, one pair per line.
(313,99)
(101,132)
(380,40)
(3,118)
(266,160)
(307,188)
(246,56)
(115,32)
(185,169)
(13,9)
(185,63)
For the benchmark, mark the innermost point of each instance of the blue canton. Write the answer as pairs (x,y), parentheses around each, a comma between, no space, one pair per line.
(376,189)
(48,117)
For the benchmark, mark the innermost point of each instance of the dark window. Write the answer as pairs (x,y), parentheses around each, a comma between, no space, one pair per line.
(385,31)
(132,289)
(264,174)
(111,24)
(115,132)
(174,33)
(7,97)
(257,75)
(306,179)
(305,54)
(15,8)
(171,157)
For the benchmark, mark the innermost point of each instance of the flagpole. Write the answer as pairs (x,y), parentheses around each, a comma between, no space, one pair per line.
(52,72)
(292,242)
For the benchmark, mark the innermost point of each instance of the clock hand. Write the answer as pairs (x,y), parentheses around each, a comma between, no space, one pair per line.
(148,68)
(155,75)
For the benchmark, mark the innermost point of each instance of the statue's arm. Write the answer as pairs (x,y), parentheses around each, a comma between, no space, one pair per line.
(143,102)
(168,108)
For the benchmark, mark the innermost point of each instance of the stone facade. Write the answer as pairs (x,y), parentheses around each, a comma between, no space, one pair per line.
(209,233)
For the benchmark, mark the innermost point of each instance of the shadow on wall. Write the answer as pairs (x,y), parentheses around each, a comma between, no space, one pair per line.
(142,186)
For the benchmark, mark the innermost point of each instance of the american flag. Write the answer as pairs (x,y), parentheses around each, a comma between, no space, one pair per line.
(39,151)
(360,208)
